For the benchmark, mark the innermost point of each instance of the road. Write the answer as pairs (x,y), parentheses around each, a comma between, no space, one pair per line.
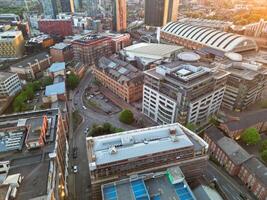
(230,186)
(80,182)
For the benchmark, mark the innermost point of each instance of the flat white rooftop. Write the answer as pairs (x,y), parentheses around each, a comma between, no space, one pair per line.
(141,142)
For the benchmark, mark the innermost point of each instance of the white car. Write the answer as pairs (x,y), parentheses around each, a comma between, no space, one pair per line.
(75,169)
(84,107)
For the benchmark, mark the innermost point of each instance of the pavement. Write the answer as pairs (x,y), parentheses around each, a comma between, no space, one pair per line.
(229,185)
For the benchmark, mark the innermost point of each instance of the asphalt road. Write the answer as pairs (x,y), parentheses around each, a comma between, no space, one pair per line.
(231,187)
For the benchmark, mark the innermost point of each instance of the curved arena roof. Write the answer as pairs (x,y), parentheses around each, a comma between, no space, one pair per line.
(209,37)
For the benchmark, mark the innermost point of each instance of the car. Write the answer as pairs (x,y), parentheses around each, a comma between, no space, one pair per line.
(75,169)
(243,196)
(74,153)
(84,107)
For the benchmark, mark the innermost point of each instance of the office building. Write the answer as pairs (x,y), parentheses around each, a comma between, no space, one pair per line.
(11,44)
(238,162)
(119,15)
(32,67)
(40,42)
(89,49)
(66,5)
(160,12)
(119,41)
(143,151)
(196,37)
(120,77)
(183,92)
(50,8)
(245,84)
(45,171)
(170,184)
(58,27)
(9,84)
(61,52)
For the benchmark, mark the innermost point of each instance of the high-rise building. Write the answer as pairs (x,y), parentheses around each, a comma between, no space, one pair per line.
(119,15)
(141,151)
(11,44)
(185,92)
(160,12)
(66,5)
(50,8)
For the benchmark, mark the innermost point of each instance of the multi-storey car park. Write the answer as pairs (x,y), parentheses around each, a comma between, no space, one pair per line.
(185,92)
(195,37)
(116,156)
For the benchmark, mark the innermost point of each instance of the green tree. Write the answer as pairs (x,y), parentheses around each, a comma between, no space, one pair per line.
(72,81)
(191,127)
(126,116)
(47,81)
(251,136)
(263,145)
(264,155)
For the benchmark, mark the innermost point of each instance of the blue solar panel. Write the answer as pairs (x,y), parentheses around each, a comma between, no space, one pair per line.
(110,193)
(183,192)
(139,190)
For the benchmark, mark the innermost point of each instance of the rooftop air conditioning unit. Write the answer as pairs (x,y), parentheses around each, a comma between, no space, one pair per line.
(112,150)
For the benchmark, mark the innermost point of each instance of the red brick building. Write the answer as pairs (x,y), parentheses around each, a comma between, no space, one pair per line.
(119,41)
(61,52)
(61,27)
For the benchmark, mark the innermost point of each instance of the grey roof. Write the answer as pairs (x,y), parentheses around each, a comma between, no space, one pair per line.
(32,59)
(60,46)
(203,192)
(257,168)
(141,142)
(235,152)
(248,120)
(214,133)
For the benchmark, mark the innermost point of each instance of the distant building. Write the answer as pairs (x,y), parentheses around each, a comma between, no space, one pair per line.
(47,168)
(119,41)
(144,151)
(170,184)
(256,119)
(39,43)
(90,48)
(11,44)
(160,12)
(119,15)
(121,78)
(59,27)
(32,67)
(50,8)
(66,5)
(244,86)
(196,37)
(183,91)
(9,18)
(61,52)
(9,84)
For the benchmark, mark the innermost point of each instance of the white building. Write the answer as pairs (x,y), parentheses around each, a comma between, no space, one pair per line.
(182,92)
(9,84)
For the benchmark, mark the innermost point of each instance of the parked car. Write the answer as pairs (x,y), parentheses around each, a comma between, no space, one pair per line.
(84,107)
(75,169)
(75,152)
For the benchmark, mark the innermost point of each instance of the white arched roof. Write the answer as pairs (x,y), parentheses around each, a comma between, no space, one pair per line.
(209,37)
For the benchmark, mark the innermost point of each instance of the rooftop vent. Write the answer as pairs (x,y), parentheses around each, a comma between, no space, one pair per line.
(172,131)
(112,150)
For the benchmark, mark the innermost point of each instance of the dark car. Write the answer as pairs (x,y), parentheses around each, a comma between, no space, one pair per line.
(243,196)
(75,152)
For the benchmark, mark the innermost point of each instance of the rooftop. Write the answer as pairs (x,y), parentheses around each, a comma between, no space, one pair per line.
(60,46)
(156,186)
(90,39)
(234,151)
(39,39)
(207,193)
(119,70)
(31,60)
(58,66)
(214,133)
(257,168)
(5,75)
(141,142)
(55,89)
(9,34)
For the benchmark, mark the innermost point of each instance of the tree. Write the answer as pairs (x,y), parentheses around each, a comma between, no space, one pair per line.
(191,127)
(126,116)
(47,81)
(263,145)
(72,81)
(251,136)
(264,155)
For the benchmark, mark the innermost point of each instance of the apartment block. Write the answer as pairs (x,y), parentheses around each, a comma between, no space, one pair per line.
(45,171)
(59,27)
(11,44)
(184,92)
(61,52)
(120,77)
(32,67)
(9,84)
(237,162)
(89,49)
(155,149)
(244,86)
